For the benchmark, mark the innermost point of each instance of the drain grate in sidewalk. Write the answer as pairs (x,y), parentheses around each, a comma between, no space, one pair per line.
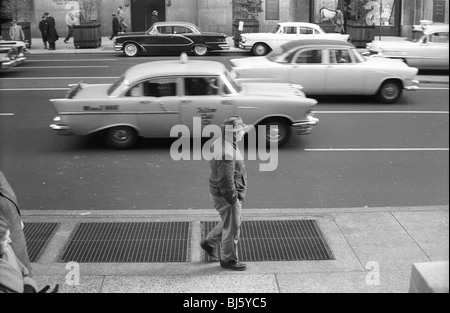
(37,236)
(128,242)
(293,240)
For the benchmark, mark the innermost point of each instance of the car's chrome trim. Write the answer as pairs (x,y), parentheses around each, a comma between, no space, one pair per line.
(115,113)
(305,127)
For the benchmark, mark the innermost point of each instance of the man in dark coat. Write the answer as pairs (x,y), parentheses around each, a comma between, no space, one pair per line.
(43,29)
(115,26)
(9,211)
(52,35)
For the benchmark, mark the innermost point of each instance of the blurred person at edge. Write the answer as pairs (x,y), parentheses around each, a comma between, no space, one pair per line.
(10,212)
(14,276)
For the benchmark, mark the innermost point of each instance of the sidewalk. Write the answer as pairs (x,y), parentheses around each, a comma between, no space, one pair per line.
(374,251)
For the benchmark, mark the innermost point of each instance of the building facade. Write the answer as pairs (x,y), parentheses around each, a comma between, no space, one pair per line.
(387,17)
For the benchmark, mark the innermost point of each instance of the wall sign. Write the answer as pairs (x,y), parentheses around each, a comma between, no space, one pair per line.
(439,11)
(272,9)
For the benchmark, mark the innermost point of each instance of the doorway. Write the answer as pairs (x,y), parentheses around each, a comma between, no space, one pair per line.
(141,13)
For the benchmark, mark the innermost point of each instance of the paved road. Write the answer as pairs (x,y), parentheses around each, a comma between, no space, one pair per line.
(361,154)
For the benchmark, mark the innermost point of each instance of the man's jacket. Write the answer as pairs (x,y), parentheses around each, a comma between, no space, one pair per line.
(228,176)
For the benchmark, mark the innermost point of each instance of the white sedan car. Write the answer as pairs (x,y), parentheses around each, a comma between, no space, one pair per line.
(262,43)
(329,67)
(429,52)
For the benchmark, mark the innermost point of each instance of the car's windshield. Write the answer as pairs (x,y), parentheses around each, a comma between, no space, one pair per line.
(278,55)
(234,83)
(275,29)
(116,84)
(358,57)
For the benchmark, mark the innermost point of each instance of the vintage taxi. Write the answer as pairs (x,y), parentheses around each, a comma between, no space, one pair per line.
(329,67)
(170,37)
(151,98)
(262,43)
(429,52)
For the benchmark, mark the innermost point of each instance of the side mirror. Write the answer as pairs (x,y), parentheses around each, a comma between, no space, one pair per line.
(366,54)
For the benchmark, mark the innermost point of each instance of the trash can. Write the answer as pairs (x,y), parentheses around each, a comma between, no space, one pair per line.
(26,31)
(250,26)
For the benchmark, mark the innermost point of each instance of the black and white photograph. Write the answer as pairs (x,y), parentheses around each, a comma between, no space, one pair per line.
(230,153)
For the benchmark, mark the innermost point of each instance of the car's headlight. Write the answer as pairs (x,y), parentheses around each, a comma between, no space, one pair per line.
(57,119)
(243,39)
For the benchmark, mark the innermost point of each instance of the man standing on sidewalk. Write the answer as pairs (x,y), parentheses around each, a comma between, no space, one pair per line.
(52,34)
(228,185)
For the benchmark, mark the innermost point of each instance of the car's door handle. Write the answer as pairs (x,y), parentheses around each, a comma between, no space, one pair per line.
(186,101)
(145,102)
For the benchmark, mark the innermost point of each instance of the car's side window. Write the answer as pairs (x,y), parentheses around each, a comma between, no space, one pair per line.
(313,56)
(306,31)
(159,87)
(340,56)
(165,30)
(290,30)
(439,37)
(201,86)
(181,30)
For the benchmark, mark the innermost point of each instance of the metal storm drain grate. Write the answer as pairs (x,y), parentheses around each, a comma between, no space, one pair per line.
(37,236)
(132,242)
(293,240)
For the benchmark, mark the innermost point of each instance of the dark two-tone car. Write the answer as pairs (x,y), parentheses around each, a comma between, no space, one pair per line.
(170,37)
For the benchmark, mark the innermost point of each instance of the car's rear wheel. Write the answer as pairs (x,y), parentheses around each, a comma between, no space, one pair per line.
(131,50)
(200,50)
(389,92)
(279,134)
(260,49)
(121,137)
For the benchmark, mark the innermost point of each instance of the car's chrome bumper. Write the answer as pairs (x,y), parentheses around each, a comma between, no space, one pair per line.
(244,47)
(305,127)
(118,46)
(414,86)
(61,129)
(6,65)
(224,46)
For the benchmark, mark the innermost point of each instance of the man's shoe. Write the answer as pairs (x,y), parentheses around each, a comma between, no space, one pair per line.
(208,249)
(233,265)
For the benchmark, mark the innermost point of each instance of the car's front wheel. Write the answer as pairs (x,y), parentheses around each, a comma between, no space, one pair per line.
(389,92)
(121,137)
(131,50)
(200,50)
(277,130)
(260,49)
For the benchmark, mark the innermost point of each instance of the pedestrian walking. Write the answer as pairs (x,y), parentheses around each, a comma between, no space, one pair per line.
(121,17)
(154,18)
(43,30)
(70,21)
(16,32)
(228,186)
(52,34)
(14,276)
(10,212)
(115,26)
